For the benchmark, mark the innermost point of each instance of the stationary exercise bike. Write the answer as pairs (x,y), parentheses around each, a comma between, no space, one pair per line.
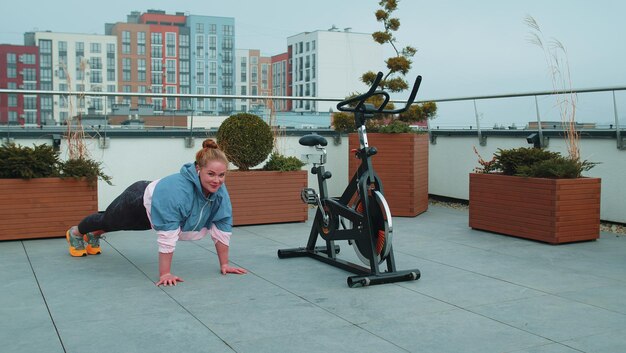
(361,214)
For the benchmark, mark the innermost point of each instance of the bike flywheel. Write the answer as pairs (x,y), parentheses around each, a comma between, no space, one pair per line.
(382,229)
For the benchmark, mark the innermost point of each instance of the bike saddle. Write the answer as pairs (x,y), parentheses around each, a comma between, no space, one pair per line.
(313,140)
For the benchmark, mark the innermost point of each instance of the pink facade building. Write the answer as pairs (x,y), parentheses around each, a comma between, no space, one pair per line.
(19,69)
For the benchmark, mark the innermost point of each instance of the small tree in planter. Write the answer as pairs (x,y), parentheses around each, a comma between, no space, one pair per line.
(398,66)
(402,161)
(260,196)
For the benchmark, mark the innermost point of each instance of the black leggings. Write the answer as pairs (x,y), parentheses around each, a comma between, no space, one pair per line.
(126,212)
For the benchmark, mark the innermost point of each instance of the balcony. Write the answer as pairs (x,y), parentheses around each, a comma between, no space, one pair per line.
(479,291)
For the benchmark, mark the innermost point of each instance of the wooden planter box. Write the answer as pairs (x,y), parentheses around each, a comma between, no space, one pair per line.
(261,197)
(43,208)
(549,210)
(402,165)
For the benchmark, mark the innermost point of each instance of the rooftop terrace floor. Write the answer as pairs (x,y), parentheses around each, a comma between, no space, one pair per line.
(479,292)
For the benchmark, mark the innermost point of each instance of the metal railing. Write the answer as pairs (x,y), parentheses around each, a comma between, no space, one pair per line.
(618,132)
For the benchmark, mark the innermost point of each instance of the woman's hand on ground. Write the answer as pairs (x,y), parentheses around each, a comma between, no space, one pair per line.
(236,270)
(168,279)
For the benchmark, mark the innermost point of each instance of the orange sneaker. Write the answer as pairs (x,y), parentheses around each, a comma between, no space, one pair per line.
(76,243)
(93,243)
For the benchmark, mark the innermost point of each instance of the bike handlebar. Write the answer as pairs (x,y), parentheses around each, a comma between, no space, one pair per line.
(361,107)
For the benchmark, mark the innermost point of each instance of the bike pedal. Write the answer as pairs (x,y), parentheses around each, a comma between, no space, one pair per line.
(309,196)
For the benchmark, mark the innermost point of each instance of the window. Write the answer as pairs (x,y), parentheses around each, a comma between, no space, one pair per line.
(228,30)
(156,38)
(244,69)
(45,61)
(126,69)
(254,74)
(184,40)
(141,70)
(212,73)
(30,102)
(95,48)
(12,100)
(31,117)
(170,71)
(28,59)
(200,101)
(227,43)
(96,76)
(212,101)
(111,69)
(184,66)
(157,51)
(200,27)
(157,65)
(184,79)
(157,78)
(171,101)
(200,73)
(45,47)
(125,42)
(80,49)
(200,46)
(170,49)
(264,74)
(212,29)
(30,74)
(212,47)
(11,66)
(95,63)
(141,43)
(142,89)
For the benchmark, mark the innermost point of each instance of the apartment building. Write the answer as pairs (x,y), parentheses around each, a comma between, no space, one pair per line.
(254,78)
(19,68)
(212,67)
(281,77)
(154,58)
(159,54)
(330,64)
(74,62)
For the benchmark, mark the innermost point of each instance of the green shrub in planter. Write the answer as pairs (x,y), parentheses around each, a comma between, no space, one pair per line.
(535,163)
(246,139)
(42,161)
(282,163)
(84,168)
(19,162)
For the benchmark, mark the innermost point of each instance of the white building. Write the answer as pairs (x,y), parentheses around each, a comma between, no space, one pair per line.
(242,78)
(329,64)
(75,62)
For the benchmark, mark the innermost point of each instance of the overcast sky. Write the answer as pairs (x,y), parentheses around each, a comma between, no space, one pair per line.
(465,48)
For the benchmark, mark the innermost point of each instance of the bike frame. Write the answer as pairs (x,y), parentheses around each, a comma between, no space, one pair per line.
(364,185)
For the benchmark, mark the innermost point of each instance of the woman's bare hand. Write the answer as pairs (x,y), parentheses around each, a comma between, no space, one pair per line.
(168,279)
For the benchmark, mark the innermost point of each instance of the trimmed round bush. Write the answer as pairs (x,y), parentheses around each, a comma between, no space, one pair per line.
(246,139)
